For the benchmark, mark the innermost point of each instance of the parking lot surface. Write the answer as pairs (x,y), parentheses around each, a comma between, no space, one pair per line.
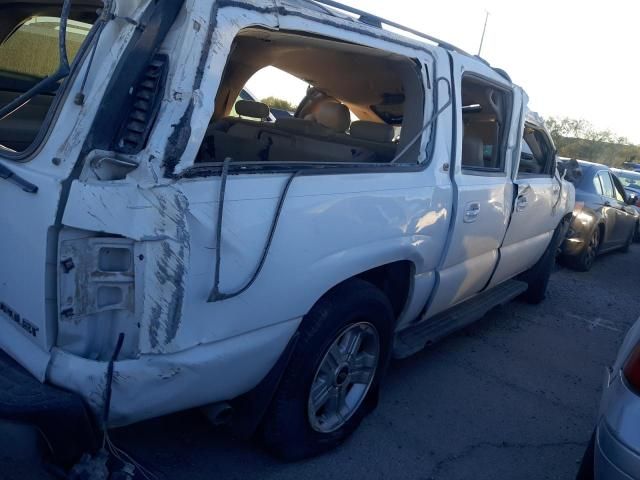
(512,397)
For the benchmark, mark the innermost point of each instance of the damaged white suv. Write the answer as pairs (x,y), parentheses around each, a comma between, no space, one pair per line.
(160,254)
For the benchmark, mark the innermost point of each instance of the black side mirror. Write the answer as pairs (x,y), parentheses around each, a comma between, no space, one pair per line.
(632,199)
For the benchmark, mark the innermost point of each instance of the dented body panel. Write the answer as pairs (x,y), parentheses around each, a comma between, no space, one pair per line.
(135,252)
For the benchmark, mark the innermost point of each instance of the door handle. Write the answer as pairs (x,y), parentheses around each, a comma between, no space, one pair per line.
(471,212)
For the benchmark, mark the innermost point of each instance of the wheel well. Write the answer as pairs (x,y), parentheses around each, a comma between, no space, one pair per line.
(394,279)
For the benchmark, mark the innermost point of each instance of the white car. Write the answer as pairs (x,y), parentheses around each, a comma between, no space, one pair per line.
(158,254)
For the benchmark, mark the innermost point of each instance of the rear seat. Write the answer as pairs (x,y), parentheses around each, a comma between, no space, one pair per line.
(322,139)
(224,138)
(376,137)
(297,140)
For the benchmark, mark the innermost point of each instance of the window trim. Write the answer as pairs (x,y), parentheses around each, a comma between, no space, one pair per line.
(552,154)
(425,74)
(504,140)
(58,101)
(606,172)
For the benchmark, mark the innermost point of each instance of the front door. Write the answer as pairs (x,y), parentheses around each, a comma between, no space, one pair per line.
(615,232)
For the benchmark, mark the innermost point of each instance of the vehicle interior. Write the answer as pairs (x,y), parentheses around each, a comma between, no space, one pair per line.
(357,101)
(537,154)
(28,53)
(484,117)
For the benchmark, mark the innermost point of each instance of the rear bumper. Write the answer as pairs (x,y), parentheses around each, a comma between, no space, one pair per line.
(617,449)
(155,385)
(613,459)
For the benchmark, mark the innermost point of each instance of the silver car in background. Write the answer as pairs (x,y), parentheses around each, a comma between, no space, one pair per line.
(614,451)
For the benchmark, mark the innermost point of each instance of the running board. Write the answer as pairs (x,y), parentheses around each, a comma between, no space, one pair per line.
(414,338)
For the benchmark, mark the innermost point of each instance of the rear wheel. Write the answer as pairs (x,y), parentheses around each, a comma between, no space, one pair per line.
(587,257)
(334,373)
(627,246)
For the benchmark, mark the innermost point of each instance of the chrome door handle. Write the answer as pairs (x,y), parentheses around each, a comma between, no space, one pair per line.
(471,212)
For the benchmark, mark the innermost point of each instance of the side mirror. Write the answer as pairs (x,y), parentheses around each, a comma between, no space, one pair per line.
(632,199)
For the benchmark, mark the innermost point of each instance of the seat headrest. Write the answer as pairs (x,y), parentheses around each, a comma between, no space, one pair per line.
(333,115)
(247,108)
(372,131)
(472,151)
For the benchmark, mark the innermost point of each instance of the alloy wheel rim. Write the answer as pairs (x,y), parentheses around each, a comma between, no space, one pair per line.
(343,377)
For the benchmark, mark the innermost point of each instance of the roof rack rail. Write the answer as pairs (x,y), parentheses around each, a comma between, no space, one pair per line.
(373,20)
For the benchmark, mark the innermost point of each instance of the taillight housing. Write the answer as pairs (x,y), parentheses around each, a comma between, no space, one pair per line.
(631,370)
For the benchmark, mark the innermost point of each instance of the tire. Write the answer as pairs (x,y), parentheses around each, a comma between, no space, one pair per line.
(627,246)
(537,277)
(586,471)
(292,428)
(584,261)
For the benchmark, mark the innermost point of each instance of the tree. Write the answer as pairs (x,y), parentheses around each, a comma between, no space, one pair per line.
(279,104)
(578,138)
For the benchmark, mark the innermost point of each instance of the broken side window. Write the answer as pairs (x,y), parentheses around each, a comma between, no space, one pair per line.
(29,54)
(537,157)
(352,103)
(484,115)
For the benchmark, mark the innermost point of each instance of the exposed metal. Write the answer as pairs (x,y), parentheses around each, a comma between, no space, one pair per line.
(130,243)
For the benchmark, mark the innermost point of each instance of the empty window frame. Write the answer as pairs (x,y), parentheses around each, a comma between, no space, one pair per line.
(485,115)
(29,53)
(537,155)
(354,100)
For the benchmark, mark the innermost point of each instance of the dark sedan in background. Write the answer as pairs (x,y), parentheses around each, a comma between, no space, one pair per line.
(631,183)
(604,217)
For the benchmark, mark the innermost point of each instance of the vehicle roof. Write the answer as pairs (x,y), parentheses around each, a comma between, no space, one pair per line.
(631,173)
(371,21)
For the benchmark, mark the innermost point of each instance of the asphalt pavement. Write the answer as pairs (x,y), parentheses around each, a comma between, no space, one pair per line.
(514,396)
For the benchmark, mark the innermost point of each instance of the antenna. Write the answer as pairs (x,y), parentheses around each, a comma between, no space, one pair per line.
(484,30)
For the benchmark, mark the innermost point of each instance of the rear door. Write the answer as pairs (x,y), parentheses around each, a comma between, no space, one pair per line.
(487,109)
(534,218)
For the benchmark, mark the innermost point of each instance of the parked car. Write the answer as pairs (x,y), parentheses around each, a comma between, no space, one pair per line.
(614,450)
(159,254)
(604,218)
(631,182)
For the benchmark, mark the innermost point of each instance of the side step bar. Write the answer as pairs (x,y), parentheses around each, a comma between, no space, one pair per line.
(414,338)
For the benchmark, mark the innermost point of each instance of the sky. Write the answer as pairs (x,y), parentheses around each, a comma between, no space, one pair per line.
(578,59)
